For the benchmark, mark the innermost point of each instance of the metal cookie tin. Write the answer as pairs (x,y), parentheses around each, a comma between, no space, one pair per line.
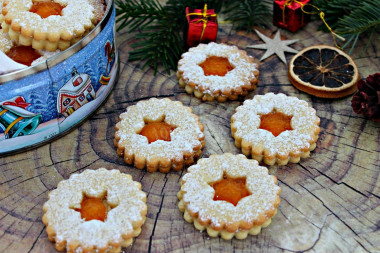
(46,100)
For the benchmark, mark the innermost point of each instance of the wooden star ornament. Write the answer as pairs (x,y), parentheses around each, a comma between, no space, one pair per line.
(274,46)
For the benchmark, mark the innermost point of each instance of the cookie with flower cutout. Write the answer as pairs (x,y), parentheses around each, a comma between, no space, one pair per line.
(217,71)
(95,211)
(159,134)
(275,128)
(48,25)
(229,196)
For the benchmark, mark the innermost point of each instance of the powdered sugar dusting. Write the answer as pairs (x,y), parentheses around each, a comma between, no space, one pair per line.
(198,194)
(5,42)
(242,74)
(304,123)
(121,192)
(1,11)
(99,9)
(185,138)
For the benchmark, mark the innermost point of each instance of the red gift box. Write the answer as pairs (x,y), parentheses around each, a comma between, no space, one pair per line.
(203,26)
(289,15)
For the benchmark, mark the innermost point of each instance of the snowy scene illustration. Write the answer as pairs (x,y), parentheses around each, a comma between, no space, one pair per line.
(77,92)
(92,91)
(81,90)
(15,120)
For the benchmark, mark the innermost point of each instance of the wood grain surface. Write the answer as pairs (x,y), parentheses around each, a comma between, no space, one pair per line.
(330,201)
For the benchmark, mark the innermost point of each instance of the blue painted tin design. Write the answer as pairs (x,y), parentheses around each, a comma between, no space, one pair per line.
(39,103)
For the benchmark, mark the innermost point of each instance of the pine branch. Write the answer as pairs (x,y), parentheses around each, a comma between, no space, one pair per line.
(160,40)
(158,43)
(334,10)
(247,13)
(351,18)
(361,19)
(136,14)
(161,28)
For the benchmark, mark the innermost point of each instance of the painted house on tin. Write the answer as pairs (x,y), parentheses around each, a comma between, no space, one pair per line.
(77,92)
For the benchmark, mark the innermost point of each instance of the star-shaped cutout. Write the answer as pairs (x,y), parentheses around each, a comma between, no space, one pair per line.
(274,46)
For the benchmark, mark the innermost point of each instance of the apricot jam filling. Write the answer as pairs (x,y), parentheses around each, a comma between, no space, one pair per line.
(92,209)
(23,54)
(46,8)
(276,122)
(217,66)
(231,189)
(155,131)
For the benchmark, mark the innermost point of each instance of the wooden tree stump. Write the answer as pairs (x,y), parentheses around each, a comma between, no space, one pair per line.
(330,201)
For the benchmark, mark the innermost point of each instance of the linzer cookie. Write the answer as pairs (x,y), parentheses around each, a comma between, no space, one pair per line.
(228,195)
(95,211)
(217,71)
(275,128)
(48,25)
(159,134)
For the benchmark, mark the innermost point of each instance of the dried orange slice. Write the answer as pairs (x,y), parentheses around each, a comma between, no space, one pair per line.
(324,71)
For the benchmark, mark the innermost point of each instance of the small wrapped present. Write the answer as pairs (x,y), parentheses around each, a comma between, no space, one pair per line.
(288,14)
(203,26)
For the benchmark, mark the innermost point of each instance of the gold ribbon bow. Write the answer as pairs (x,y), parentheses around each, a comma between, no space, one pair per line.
(317,11)
(204,19)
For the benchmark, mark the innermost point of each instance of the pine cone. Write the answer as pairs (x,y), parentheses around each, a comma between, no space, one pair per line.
(367,99)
